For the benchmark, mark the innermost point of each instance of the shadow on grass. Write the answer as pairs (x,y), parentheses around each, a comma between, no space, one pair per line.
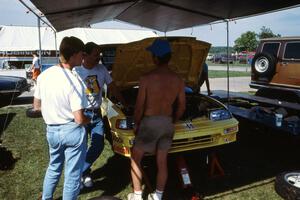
(258,156)
(7,161)
(113,177)
(5,120)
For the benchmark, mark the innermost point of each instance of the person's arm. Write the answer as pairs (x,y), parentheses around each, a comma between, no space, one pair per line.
(115,92)
(180,102)
(36,104)
(80,118)
(207,85)
(140,104)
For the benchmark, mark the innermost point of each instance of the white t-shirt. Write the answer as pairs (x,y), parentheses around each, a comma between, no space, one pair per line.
(61,93)
(94,80)
(36,63)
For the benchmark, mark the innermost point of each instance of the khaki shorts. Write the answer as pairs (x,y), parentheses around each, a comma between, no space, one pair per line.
(155,132)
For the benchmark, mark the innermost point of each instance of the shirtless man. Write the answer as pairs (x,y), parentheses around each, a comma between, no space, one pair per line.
(153,118)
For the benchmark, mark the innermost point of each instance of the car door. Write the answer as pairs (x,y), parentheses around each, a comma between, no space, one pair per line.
(289,66)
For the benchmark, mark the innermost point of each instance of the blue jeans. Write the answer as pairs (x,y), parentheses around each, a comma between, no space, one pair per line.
(95,128)
(67,144)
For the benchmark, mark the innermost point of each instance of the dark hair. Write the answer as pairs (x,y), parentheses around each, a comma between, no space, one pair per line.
(68,47)
(164,59)
(89,47)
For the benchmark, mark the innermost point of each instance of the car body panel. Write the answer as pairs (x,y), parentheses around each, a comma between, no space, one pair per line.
(134,61)
(13,86)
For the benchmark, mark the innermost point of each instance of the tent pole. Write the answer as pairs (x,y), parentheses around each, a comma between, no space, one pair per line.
(56,54)
(227,28)
(40,43)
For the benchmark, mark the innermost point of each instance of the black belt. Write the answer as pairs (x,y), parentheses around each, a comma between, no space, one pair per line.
(60,124)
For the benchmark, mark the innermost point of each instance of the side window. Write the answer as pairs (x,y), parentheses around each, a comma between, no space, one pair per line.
(271,48)
(292,50)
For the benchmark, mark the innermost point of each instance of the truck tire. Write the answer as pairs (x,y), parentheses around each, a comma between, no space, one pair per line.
(33,113)
(263,65)
(287,186)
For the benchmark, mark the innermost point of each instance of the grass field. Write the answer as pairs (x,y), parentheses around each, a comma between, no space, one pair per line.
(250,168)
(223,74)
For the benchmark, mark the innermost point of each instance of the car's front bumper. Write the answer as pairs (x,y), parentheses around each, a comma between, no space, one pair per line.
(188,136)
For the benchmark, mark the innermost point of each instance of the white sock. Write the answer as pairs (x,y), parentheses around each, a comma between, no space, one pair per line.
(138,195)
(158,194)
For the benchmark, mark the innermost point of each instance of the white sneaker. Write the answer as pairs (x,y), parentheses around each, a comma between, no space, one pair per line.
(152,196)
(131,196)
(86,181)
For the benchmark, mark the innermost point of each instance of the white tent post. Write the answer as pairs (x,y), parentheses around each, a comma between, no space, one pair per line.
(227,27)
(40,43)
(56,54)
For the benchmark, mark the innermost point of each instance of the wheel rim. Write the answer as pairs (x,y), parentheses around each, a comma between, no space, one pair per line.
(293,178)
(261,64)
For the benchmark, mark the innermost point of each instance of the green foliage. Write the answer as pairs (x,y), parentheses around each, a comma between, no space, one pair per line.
(247,42)
(223,74)
(266,33)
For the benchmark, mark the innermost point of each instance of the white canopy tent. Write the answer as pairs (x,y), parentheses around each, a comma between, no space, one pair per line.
(20,38)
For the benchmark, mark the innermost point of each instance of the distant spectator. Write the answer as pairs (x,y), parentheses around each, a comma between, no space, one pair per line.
(35,67)
(204,77)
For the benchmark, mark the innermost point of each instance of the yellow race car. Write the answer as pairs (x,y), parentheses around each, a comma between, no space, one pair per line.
(206,121)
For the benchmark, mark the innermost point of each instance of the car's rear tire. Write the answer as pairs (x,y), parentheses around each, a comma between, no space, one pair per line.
(263,65)
(286,185)
(31,113)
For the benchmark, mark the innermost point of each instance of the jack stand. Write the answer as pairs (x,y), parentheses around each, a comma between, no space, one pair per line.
(215,169)
(185,178)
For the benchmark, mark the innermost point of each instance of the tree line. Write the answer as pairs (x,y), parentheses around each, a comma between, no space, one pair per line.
(248,41)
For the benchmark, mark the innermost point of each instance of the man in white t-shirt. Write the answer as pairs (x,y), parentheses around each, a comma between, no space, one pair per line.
(60,97)
(94,76)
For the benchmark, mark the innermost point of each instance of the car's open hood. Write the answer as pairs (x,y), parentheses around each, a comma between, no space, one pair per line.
(132,60)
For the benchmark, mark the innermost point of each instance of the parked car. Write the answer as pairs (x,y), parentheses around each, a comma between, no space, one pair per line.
(276,66)
(205,123)
(222,58)
(11,87)
(246,57)
(210,57)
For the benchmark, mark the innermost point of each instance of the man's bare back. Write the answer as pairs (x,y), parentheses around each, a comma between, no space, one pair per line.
(158,91)
(162,88)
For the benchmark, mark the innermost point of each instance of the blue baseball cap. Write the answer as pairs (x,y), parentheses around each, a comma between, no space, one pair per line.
(159,48)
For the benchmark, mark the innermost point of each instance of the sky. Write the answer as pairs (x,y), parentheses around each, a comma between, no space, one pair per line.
(285,23)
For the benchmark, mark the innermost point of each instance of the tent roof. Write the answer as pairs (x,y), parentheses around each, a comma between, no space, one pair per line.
(20,38)
(162,15)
